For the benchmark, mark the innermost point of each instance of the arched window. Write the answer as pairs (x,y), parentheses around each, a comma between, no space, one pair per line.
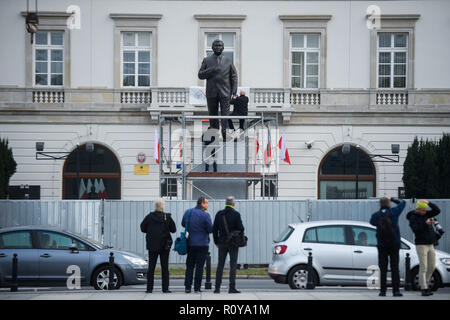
(99,172)
(337,175)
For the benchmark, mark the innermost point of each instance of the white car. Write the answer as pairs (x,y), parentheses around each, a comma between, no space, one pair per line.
(344,253)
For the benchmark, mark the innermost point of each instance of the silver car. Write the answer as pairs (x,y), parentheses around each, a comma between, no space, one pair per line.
(45,254)
(344,253)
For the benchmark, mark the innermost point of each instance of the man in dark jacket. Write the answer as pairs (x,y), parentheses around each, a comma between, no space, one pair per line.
(240,109)
(199,226)
(234,222)
(387,217)
(209,153)
(158,225)
(221,83)
(421,223)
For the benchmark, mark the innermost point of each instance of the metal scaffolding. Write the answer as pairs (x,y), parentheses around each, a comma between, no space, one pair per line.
(184,172)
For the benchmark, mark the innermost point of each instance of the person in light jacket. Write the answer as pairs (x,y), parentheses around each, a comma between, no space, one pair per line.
(157,226)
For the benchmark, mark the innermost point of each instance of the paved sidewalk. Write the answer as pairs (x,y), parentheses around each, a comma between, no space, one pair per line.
(316,294)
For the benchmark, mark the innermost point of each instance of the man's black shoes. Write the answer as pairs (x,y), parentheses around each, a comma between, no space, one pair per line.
(217,291)
(425,293)
(398,294)
(187,291)
(233,290)
(167,291)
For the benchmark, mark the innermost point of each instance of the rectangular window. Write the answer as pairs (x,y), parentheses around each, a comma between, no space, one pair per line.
(48,57)
(392,57)
(270,189)
(228,39)
(305,53)
(334,234)
(136,59)
(169,187)
(16,240)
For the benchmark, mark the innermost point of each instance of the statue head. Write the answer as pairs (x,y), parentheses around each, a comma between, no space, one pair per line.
(217,47)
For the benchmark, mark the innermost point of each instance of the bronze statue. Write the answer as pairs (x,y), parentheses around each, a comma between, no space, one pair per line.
(221,84)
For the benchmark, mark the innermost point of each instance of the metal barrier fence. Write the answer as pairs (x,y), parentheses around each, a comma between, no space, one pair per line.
(116,222)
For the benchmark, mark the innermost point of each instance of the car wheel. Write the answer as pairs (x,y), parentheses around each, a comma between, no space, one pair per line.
(298,278)
(101,278)
(435,281)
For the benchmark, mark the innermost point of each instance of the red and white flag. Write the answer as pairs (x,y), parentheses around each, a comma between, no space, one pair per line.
(268,150)
(181,151)
(284,154)
(102,190)
(157,145)
(87,190)
(97,186)
(82,192)
(257,149)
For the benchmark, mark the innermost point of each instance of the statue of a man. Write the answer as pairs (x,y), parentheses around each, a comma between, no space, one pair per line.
(221,84)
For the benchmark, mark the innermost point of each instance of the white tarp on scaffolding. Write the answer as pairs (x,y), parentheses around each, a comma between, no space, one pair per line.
(197,95)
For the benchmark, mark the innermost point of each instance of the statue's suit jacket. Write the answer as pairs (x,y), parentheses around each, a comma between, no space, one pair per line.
(221,83)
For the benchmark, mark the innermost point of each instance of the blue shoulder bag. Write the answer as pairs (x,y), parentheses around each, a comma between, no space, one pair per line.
(181,242)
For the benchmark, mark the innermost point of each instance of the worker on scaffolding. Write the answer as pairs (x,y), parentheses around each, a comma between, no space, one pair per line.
(209,154)
(240,109)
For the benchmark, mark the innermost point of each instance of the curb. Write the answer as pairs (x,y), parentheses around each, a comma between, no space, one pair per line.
(224,276)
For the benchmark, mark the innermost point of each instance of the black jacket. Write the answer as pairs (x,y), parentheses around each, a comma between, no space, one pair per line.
(221,81)
(424,234)
(158,226)
(234,223)
(240,106)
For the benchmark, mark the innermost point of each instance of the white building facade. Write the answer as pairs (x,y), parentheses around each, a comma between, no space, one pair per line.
(367,73)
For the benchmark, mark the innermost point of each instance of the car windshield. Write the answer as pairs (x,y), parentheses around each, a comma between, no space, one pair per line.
(285,234)
(96,244)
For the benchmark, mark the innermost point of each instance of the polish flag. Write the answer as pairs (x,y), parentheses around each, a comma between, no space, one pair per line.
(87,190)
(157,146)
(97,186)
(82,192)
(102,190)
(284,154)
(257,150)
(268,150)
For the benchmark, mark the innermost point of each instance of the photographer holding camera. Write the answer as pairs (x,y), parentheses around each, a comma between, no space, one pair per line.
(421,222)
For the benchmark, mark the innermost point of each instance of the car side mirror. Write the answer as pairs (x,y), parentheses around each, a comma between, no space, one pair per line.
(73,247)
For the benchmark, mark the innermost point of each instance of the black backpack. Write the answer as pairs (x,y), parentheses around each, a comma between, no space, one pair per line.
(385,228)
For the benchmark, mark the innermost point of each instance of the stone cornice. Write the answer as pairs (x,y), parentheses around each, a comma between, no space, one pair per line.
(50,14)
(396,17)
(117,16)
(296,17)
(215,17)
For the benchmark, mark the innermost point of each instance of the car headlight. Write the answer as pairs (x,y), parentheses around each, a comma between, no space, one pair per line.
(136,261)
(446,261)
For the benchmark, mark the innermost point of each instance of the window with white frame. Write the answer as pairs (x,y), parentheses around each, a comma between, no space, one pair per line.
(228,39)
(48,55)
(392,60)
(305,55)
(136,59)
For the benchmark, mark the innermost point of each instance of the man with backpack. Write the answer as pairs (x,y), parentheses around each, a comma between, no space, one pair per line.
(388,239)
(226,222)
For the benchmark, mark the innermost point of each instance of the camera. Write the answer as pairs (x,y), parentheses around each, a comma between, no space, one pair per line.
(439,230)
(309,144)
